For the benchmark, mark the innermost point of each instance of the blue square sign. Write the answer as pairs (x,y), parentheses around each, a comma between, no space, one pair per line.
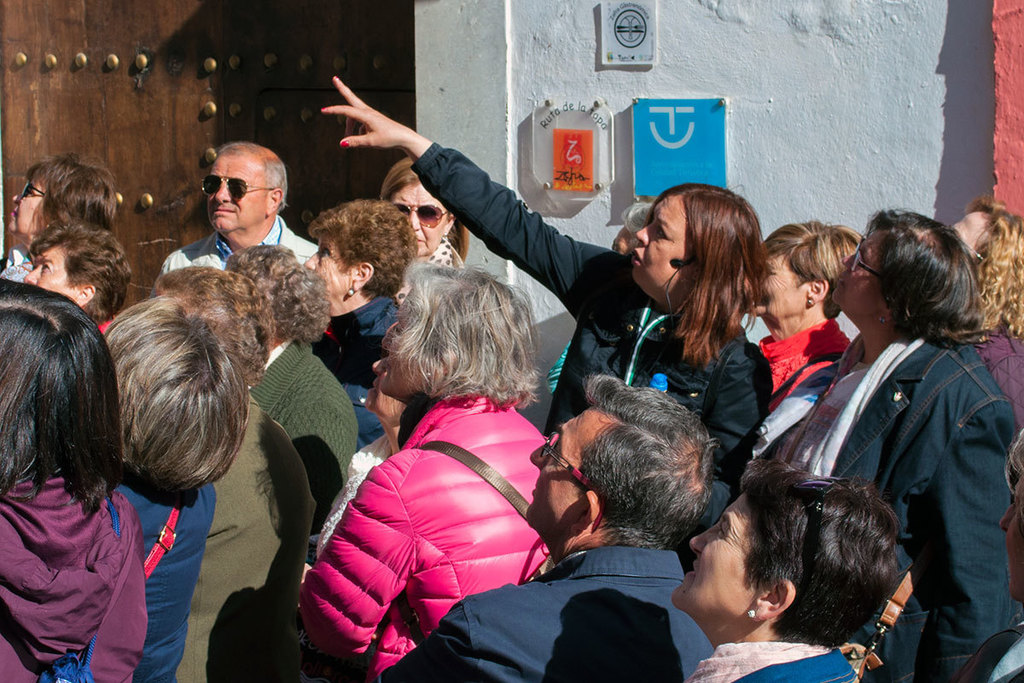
(678,141)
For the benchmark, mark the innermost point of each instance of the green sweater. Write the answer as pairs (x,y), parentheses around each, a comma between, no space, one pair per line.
(302,395)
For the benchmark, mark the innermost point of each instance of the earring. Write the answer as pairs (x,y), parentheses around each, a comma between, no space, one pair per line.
(351,292)
(810,302)
(752,614)
(881,319)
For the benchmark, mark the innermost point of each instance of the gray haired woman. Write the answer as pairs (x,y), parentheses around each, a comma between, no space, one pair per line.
(424,530)
(298,390)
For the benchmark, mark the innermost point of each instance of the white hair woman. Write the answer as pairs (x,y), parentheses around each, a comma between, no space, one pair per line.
(424,530)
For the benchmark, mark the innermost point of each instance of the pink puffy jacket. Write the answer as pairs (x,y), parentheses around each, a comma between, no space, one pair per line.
(424,523)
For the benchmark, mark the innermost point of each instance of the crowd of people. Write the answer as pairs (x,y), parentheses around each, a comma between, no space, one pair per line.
(306,461)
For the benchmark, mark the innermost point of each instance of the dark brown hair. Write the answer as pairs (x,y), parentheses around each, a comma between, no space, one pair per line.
(76,187)
(927,279)
(731,268)
(855,566)
(91,257)
(58,397)
(369,231)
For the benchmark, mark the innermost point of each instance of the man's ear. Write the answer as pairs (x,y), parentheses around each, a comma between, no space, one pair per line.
(274,199)
(588,515)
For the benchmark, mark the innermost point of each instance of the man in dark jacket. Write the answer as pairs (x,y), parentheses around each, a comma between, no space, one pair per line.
(611,520)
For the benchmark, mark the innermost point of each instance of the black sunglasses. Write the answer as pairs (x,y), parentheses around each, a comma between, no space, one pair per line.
(237,187)
(428,215)
(812,493)
(31,190)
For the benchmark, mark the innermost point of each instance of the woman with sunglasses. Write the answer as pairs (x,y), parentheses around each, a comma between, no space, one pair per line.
(425,530)
(62,188)
(364,247)
(913,408)
(440,238)
(786,576)
(675,306)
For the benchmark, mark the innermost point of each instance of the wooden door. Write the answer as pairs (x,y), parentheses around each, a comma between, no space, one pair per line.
(163,83)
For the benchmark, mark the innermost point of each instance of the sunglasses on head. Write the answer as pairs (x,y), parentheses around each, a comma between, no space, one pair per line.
(237,187)
(812,493)
(427,214)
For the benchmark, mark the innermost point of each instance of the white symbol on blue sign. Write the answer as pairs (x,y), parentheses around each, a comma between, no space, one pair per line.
(672,111)
(678,141)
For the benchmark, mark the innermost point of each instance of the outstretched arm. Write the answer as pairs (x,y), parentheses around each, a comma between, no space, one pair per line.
(367,127)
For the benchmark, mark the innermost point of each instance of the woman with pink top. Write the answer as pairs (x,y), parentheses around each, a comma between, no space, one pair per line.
(424,530)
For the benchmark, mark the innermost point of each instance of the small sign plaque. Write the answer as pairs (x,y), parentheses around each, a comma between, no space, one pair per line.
(628,32)
(678,141)
(574,160)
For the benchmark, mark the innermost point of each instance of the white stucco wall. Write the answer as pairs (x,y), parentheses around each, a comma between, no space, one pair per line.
(837,108)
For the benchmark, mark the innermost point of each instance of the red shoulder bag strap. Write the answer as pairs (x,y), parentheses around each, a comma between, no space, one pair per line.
(165,541)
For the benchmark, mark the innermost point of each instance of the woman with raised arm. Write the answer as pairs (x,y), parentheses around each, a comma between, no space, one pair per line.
(675,305)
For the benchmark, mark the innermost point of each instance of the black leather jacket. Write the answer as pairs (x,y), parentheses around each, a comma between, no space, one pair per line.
(595,285)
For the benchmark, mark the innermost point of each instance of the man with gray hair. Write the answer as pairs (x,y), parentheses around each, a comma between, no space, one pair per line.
(246,188)
(620,486)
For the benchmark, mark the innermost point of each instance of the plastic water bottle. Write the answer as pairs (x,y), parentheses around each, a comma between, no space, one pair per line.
(659,381)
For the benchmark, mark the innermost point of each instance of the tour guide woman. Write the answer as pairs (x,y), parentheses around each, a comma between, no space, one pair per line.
(674,306)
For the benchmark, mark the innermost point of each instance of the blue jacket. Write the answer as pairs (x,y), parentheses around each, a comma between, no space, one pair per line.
(169,588)
(349,350)
(596,286)
(827,668)
(934,438)
(601,615)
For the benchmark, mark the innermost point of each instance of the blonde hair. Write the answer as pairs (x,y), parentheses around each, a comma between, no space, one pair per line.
(814,251)
(1001,252)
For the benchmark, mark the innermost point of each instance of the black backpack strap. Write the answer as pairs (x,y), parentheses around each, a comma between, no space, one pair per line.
(486,472)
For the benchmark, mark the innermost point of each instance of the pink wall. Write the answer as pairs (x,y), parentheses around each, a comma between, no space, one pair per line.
(1008,33)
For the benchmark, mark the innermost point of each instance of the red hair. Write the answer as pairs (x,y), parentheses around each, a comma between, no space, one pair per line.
(731,268)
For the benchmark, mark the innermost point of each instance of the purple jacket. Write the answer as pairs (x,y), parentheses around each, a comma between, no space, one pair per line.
(1004,358)
(63,575)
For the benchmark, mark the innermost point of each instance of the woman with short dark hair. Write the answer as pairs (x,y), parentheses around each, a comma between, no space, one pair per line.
(364,248)
(913,408)
(70,545)
(790,571)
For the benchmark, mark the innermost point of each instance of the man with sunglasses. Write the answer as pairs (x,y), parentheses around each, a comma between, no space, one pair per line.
(246,188)
(619,487)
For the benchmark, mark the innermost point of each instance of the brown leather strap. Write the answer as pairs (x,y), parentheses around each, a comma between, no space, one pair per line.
(486,472)
(410,618)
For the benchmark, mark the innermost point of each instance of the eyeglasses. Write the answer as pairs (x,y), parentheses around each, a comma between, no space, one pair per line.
(858,262)
(237,187)
(427,214)
(812,493)
(548,451)
(31,190)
